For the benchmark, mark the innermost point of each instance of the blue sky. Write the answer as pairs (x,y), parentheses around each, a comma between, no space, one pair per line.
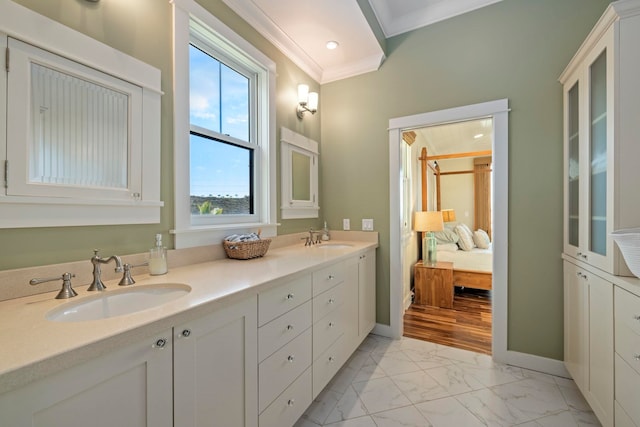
(218,168)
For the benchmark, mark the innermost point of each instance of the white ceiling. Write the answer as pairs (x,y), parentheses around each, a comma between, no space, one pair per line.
(301,29)
(460,137)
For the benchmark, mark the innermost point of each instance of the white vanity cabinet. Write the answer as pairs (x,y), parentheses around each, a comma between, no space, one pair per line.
(130,387)
(361,296)
(588,311)
(215,368)
(627,357)
(284,348)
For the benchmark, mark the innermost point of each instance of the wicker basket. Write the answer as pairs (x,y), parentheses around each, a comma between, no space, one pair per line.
(628,241)
(246,250)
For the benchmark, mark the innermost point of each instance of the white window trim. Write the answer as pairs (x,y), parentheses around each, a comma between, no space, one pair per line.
(24,211)
(186,234)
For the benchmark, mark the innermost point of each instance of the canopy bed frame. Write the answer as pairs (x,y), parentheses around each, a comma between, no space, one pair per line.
(468,278)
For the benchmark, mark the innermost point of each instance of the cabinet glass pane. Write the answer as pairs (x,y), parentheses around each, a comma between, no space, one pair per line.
(80,131)
(574,167)
(598,156)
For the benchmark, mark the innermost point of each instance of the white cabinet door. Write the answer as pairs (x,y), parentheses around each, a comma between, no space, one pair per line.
(588,341)
(575,324)
(128,387)
(600,388)
(367,292)
(215,368)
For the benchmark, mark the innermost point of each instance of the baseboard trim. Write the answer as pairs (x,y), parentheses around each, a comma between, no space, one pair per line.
(384,330)
(534,363)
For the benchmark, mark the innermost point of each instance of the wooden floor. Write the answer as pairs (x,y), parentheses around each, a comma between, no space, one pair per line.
(466,326)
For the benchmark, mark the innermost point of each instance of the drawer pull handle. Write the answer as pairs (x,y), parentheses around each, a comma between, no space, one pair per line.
(186,333)
(289,296)
(331,277)
(331,301)
(289,327)
(331,324)
(636,357)
(331,359)
(290,402)
(160,343)
(636,317)
(290,359)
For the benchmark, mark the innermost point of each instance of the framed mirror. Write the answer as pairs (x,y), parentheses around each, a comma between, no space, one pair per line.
(299,176)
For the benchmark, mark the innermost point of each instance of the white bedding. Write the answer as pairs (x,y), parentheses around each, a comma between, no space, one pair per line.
(474,260)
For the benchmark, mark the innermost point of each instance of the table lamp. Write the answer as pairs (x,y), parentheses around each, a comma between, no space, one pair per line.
(448,215)
(428,222)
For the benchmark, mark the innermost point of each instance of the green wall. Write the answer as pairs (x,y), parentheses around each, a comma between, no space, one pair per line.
(514,49)
(143,29)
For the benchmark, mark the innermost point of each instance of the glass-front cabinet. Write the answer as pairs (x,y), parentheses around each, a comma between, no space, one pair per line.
(601,140)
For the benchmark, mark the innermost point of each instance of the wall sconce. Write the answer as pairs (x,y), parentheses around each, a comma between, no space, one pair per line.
(307,101)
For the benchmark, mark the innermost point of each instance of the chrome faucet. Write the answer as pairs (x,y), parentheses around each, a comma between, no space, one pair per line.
(310,240)
(96,260)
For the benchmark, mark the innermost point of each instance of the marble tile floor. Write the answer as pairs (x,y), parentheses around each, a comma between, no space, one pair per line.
(408,382)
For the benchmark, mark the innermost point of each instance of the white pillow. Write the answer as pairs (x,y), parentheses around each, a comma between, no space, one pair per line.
(466,238)
(481,239)
(447,247)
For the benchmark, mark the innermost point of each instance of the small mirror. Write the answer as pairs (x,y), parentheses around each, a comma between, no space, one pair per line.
(299,176)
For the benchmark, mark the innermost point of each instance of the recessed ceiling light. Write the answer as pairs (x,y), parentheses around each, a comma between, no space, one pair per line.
(479,135)
(332,44)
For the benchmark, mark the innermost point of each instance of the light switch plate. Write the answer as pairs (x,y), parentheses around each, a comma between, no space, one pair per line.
(346,224)
(367,224)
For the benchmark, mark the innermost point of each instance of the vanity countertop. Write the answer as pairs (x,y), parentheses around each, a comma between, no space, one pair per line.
(34,347)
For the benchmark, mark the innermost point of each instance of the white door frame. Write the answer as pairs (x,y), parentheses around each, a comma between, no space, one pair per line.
(498,111)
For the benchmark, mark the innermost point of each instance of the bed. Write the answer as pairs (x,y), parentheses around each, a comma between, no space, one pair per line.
(471,269)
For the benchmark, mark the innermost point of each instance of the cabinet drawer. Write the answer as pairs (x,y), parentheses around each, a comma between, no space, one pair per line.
(627,389)
(627,310)
(283,298)
(328,277)
(290,405)
(326,366)
(328,301)
(327,330)
(279,370)
(283,329)
(628,346)
(622,418)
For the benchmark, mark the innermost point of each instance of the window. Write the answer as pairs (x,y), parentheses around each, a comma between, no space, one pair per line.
(224,131)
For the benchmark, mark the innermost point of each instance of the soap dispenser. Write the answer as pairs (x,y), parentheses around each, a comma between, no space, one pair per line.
(158,258)
(325,232)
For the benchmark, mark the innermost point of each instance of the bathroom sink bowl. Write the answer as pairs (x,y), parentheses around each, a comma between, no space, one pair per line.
(118,303)
(333,246)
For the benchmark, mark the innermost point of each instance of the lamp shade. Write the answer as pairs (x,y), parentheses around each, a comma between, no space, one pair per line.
(428,221)
(303,94)
(312,104)
(448,215)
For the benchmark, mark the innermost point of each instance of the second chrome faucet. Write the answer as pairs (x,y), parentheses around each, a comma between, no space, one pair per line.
(97,261)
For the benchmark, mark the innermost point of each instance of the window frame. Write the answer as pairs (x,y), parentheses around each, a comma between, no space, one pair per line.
(193,22)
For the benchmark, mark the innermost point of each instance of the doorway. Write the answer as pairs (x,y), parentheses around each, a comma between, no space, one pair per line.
(447,168)
(497,111)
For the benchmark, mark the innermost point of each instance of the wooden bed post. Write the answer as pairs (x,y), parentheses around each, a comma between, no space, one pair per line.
(423,160)
(438,199)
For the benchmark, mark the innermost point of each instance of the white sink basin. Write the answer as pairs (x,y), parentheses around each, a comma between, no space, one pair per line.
(333,246)
(118,303)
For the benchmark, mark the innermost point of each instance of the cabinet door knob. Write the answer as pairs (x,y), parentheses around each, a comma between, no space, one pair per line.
(636,357)
(331,324)
(185,333)
(636,317)
(331,277)
(289,296)
(290,359)
(289,327)
(331,359)
(160,343)
(331,301)
(290,402)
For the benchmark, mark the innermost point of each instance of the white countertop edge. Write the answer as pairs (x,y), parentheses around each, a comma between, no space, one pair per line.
(628,283)
(34,347)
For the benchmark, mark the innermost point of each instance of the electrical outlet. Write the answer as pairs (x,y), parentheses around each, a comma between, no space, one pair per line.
(367,225)
(346,224)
